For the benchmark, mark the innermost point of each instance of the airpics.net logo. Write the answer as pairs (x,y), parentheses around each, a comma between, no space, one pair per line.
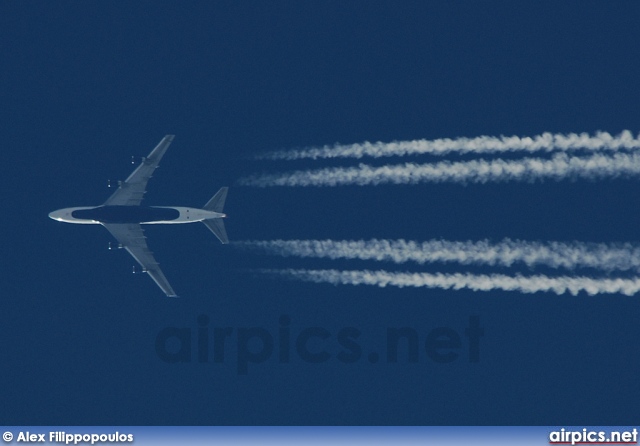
(287,343)
(588,436)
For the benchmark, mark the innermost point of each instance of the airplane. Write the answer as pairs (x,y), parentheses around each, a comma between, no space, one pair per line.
(122,215)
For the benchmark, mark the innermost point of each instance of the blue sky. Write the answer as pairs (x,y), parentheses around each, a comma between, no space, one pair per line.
(87,85)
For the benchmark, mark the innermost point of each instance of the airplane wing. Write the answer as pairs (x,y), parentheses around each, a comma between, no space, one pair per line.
(132,190)
(132,238)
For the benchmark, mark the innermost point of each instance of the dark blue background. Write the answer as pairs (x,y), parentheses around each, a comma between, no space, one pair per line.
(85,85)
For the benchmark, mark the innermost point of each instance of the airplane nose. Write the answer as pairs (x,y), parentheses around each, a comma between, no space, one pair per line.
(55,215)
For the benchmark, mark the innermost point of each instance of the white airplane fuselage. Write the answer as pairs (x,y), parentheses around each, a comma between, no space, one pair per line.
(144,215)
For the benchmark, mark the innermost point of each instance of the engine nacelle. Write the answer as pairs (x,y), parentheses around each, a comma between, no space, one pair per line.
(142,159)
(118,246)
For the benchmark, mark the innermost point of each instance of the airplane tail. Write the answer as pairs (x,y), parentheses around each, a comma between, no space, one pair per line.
(216,225)
(217,201)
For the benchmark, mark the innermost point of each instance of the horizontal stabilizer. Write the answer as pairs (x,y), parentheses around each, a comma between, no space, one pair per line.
(216,225)
(216,204)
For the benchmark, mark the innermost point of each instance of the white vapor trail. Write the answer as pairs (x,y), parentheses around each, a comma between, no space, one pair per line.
(545,142)
(571,255)
(560,166)
(531,284)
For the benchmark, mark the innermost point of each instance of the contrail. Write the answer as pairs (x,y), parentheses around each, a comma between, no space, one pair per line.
(545,142)
(531,284)
(571,255)
(560,166)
